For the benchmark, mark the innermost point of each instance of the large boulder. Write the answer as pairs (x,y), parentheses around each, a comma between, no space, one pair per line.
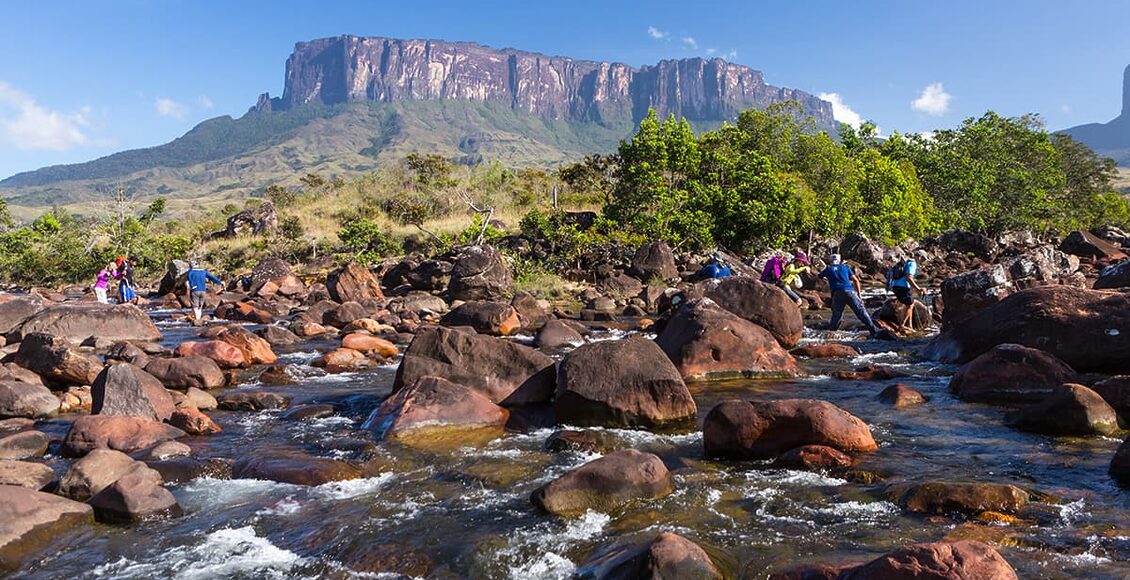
(79,321)
(57,360)
(29,519)
(294,468)
(858,248)
(344,314)
(124,389)
(1116,392)
(1120,464)
(122,433)
(430,275)
(655,260)
(224,354)
(1010,373)
(273,277)
(434,405)
(99,469)
(762,304)
(193,421)
(15,309)
(943,497)
(508,374)
(255,350)
(1087,245)
(667,555)
(20,399)
(176,274)
(961,560)
(183,373)
(1087,329)
(622,383)
(494,318)
(606,484)
(278,336)
(1113,277)
(967,294)
(134,498)
(737,429)
(1069,410)
(707,342)
(353,283)
(23,445)
(557,334)
(26,474)
(480,273)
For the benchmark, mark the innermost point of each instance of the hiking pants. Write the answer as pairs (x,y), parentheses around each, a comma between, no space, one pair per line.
(841,298)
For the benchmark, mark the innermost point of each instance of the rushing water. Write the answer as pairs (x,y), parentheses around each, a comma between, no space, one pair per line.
(467,509)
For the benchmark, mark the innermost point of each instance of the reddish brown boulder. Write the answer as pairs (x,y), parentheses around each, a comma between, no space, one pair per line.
(960,560)
(494,318)
(125,434)
(294,468)
(134,498)
(25,474)
(557,334)
(127,352)
(27,517)
(813,458)
(666,556)
(1068,410)
(225,355)
(342,360)
(306,329)
(1010,373)
(1087,329)
(15,309)
(185,372)
(251,401)
(353,282)
(278,336)
(344,314)
(706,342)
(606,484)
(1114,390)
(762,304)
(480,273)
(869,372)
(813,572)
(508,374)
(760,430)
(586,441)
(1087,245)
(940,497)
(23,445)
(368,343)
(968,293)
(434,404)
(826,350)
(243,311)
(255,350)
(56,360)
(194,422)
(20,399)
(621,383)
(389,560)
(76,322)
(900,395)
(123,389)
(655,260)
(98,469)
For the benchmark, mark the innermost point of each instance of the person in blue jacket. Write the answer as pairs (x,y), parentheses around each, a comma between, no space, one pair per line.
(845,292)
(714,268)
(196,281)
(900,280)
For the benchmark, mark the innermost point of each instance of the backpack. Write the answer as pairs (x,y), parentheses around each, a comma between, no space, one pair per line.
(897,272)
(773,270)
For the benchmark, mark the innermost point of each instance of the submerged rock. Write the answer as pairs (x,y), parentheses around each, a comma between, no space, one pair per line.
(963,498)
(814,458)
(251,401)
(826,350)
(900,395)
(295,468)
(606,484)
(764,429)
(668,555)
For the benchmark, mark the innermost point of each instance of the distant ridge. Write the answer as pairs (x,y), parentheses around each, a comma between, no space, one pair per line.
(1111,139)
(350,103)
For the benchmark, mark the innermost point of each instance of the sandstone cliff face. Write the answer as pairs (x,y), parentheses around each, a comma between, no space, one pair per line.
(355,69)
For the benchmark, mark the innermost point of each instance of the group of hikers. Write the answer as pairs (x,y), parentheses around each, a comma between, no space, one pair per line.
(788,275)
(122,270)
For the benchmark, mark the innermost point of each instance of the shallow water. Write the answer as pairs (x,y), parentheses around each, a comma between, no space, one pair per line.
(466,507)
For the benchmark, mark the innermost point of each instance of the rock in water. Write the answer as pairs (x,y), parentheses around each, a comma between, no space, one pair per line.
(1087,329)
(295,468)
(19,399)
(813,458)
(764,429)
(187,372)
(123,389)
(57,360)
(255,350)
(433,404)
(353,282)
(762,304)
(900,395)
(125,434)
(960,560)
(1115,391)
(494,318)
(1068,410)
(667,556)
(23,445)
(1120,464)
(29,517)
(1010,373)
(78,322)
(194,422)
(557,334)
(99,469)
(480,273)
(827,350)
(508,374)
(940,497)
(971,292)
(606,484)
(622,383)
(25,474)
(134,498)
(705,341)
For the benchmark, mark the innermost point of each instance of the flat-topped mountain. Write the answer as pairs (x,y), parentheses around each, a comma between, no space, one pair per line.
(1111,139)
(350,103)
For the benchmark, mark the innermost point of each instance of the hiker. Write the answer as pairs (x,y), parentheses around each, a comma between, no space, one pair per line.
(127,287)
(773,270)
(196,280)
(792,276)
(714,268)
(845,292)
(102,283)
(900,280)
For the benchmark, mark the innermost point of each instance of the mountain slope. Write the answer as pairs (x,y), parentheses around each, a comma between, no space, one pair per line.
(1111,139)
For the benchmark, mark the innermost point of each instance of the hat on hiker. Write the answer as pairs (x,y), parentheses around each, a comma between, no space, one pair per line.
(834,259)
(802,258)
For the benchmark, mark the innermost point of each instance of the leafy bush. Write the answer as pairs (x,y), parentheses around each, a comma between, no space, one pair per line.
(366,241)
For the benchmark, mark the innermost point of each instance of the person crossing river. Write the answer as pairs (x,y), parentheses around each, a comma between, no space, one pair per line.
(845,292)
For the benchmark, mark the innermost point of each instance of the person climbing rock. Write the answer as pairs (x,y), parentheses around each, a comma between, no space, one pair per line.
(845,292)
(196,280)
(792,276)
(102,283)
(900,280)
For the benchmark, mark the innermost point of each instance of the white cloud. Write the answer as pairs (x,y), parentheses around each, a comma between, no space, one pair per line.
(934,100)
(656,33)
(690,41)
(711,51)
(28,125)
(167,107)
(205,103)
(732,55)
(840,111)
(1065,108)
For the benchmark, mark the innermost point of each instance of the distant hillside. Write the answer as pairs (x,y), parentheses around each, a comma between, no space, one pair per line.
(352,103)
(1111,139)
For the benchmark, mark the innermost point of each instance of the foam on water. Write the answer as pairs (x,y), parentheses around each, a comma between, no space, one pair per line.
(208,494)
(858,511)
(793,477)
(542,544)
(284,507)
(348,489)
(222,553)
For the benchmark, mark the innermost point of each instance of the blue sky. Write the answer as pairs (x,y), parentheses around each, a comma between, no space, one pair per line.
(79,80)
